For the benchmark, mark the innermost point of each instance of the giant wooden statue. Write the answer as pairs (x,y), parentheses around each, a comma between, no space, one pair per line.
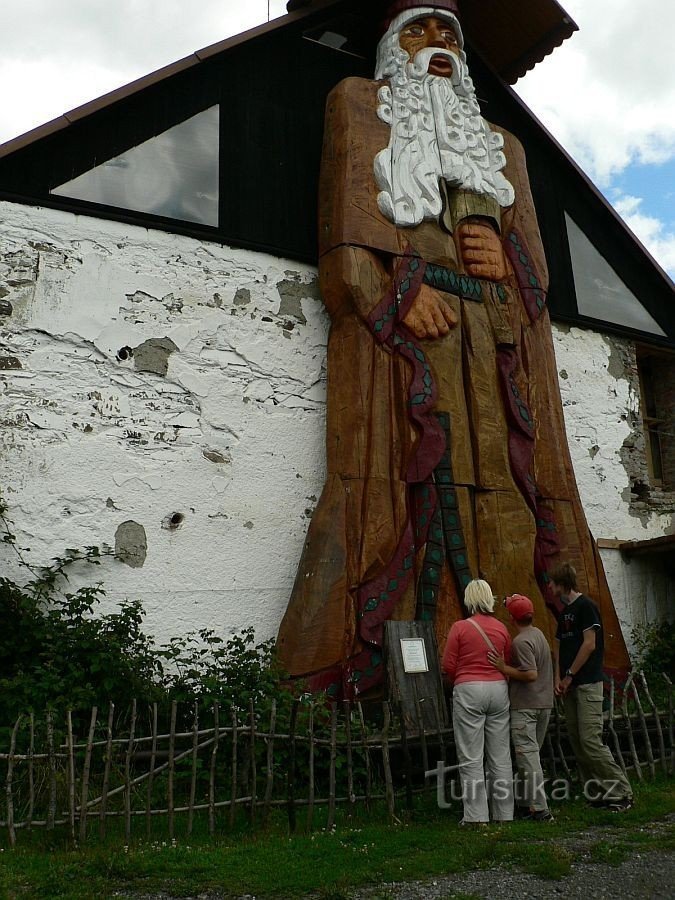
(446,448)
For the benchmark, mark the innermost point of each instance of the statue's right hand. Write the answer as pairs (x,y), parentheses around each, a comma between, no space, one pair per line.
(430,316)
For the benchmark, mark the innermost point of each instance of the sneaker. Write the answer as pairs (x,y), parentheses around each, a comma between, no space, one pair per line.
(622,805)
(541,815)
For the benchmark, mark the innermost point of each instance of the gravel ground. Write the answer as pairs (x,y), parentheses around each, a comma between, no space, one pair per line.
(644,876)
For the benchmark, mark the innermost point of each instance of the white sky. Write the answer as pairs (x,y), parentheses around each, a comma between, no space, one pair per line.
(608,94)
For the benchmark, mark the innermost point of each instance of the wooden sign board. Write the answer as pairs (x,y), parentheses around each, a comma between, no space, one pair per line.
(414,674)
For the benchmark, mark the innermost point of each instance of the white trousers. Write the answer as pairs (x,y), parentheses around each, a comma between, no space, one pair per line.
(480,719)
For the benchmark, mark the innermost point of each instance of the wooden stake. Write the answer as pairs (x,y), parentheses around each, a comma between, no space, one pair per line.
(193,779)
(290,777)
(657,722)
(71,774)
(407,765)
(31,774)
(366,752)
(671,737)
(127,774)
(331,771)
(172,768)
(350,759)
(106,772)
(629,728)
(84,796)
(254,772)
(310,801)
(386,761)
(8,784)
(612,729)
(212,770)
(645,731)
(151,773)
(233,792)
(269,781)
(51,812)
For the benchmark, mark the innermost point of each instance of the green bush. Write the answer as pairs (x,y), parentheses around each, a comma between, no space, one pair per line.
(655,649)
(57,653)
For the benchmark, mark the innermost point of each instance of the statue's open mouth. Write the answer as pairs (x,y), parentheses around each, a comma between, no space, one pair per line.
(440,65)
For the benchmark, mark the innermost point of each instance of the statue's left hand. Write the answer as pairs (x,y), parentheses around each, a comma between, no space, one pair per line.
(481,251)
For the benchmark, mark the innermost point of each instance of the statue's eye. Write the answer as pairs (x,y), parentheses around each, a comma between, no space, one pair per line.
(450,37)
(415,29)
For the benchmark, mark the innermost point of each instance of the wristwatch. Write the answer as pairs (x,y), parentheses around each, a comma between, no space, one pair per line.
(569,674)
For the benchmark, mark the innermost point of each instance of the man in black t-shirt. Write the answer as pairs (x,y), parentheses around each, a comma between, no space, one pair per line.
(578,654)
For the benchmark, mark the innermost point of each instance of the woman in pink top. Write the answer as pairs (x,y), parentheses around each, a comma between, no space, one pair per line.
(480,708)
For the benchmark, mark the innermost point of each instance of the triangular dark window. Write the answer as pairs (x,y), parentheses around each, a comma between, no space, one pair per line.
(174,174)
(601,294)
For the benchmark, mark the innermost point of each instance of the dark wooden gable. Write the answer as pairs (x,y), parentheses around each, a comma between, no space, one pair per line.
(271,86)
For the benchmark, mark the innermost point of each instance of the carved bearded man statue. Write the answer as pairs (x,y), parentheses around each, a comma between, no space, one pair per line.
(446,449)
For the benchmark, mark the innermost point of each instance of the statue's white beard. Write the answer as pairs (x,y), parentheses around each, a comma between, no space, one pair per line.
(436,132)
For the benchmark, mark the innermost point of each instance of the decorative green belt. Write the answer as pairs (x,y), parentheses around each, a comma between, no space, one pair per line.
(461,285)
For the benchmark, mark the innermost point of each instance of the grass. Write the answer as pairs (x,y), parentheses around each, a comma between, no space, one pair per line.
(361,851)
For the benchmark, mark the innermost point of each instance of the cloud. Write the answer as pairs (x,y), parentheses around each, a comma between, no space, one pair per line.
(654,234)
(82,49)
(608,93)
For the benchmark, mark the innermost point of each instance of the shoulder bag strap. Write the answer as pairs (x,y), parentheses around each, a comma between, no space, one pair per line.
(484,635)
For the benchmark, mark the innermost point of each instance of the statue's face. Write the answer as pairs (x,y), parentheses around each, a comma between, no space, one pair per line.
(430,31)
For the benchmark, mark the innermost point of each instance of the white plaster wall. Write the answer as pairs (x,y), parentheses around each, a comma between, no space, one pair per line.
(598,408)
(232,437)
(642,589)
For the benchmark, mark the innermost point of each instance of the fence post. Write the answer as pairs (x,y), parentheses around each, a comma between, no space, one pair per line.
(610,726)
(366,753)
(127,773)
(657,722)
(331,771)
(85,774)
(212,770)
(71,774)
(9,782)
(386,761)
(312,750)
(254,771)
(106,772)
(629,727)
(671,739)
(151,772)
(351,797)
(31,774)
(193,779)
(172,767)
(290,778)
(269,783)
(233,792)
(51,812)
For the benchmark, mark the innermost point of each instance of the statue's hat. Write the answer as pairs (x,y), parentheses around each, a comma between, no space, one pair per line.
(398,6)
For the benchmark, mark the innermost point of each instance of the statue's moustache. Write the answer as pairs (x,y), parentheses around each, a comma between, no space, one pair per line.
(420,64)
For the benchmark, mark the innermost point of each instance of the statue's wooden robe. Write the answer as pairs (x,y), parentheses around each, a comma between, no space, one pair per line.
(448,458)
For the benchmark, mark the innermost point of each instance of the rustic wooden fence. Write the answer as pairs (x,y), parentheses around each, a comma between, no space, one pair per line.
(79,774)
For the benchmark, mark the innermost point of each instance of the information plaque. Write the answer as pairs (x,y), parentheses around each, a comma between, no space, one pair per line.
(414,655)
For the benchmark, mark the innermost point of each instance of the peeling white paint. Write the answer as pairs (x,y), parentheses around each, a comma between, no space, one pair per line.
(89,442)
